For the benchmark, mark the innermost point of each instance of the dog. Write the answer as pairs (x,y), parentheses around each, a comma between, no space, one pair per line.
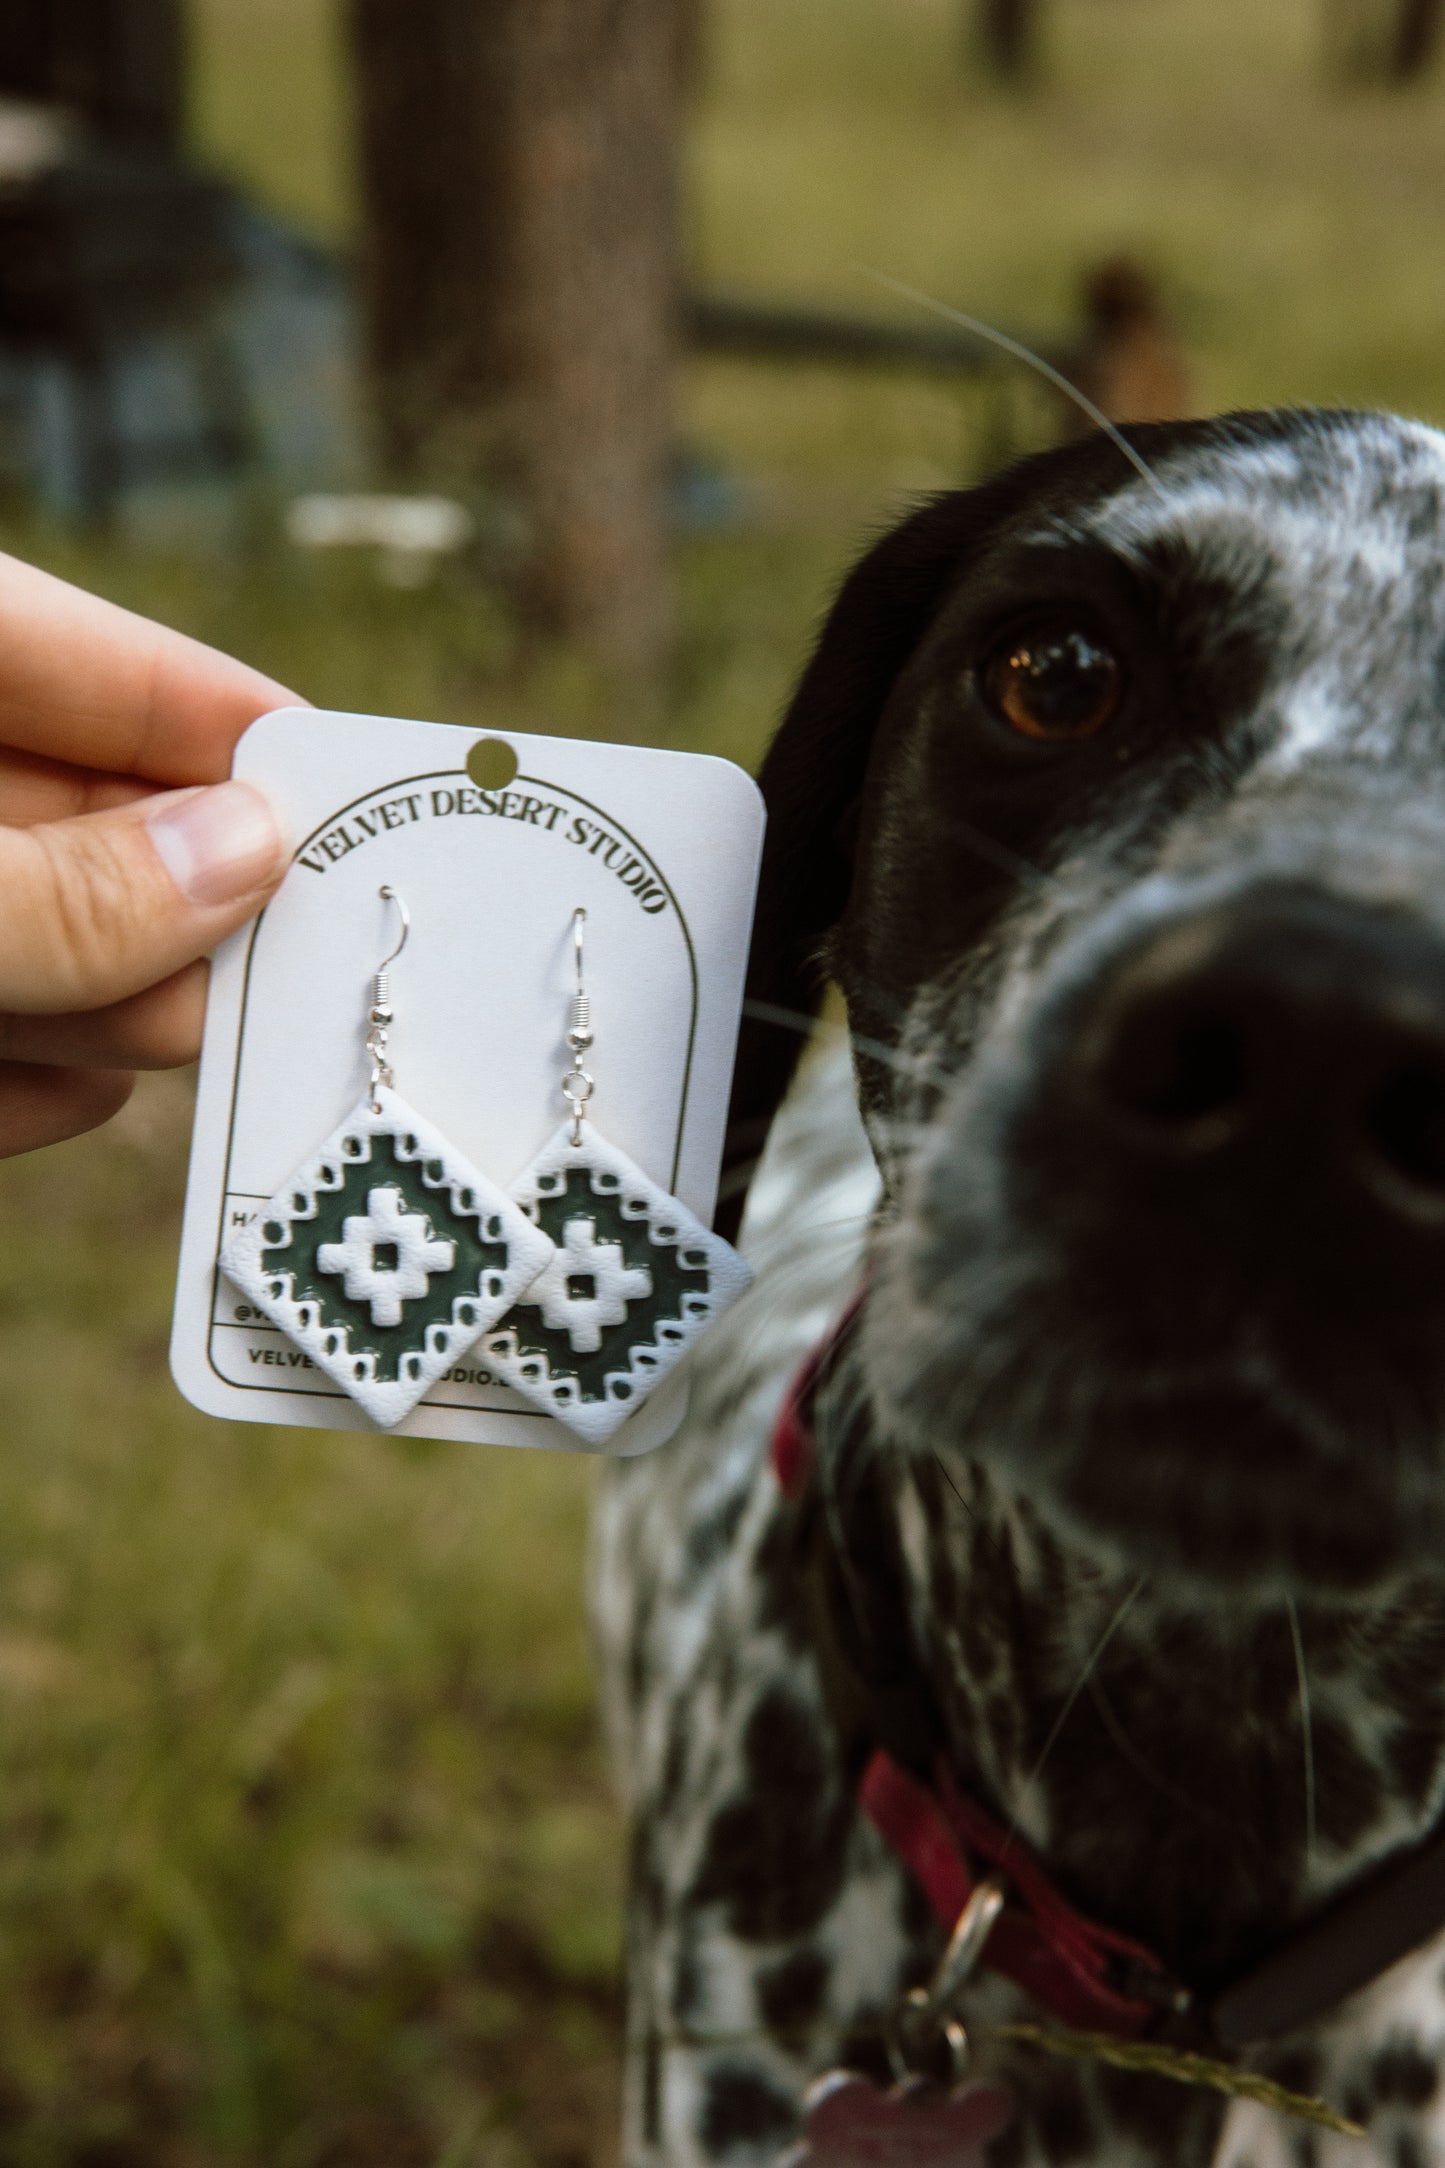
(1113,798)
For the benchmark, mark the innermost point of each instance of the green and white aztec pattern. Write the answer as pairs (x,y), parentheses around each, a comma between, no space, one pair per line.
(634,1277)
(385,1255)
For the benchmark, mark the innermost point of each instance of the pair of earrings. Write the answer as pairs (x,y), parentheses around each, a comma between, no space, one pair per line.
(387,1255)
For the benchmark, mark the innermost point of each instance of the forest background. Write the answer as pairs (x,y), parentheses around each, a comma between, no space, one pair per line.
(307,1851)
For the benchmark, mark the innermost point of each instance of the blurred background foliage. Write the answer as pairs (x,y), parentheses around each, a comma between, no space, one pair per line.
(307,1854)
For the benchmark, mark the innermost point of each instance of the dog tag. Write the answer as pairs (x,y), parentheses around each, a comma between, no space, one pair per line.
(850,2123)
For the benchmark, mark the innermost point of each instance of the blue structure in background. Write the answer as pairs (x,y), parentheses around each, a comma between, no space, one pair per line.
(164,343)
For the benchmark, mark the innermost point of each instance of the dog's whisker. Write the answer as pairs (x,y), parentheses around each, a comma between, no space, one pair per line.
(981,1529)
(1031,1779)
(1307,1740)
(806,1025)
(1001,855)
(832,1243)
(1028,357)
(1196,1808)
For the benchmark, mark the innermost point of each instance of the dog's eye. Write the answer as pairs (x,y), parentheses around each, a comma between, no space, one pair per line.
(1056,682)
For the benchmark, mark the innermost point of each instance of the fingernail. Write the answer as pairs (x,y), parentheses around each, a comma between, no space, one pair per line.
(218,844)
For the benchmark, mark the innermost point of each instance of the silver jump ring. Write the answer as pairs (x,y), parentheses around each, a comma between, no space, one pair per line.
(966,1944)
(913,2032)
(926,2014)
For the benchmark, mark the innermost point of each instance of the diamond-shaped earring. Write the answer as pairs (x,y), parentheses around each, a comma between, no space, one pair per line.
(386,1253)
(633,1278)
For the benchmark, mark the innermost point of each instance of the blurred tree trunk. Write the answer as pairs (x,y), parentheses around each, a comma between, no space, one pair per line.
(1417,38)
(1380,41)
(1006,33)
(519,165)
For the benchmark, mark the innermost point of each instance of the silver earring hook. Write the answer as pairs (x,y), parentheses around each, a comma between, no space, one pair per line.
(578,1084)
(389,895)
(382,1014)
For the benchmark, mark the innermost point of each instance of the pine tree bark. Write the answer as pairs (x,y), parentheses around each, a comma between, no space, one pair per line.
(519,169)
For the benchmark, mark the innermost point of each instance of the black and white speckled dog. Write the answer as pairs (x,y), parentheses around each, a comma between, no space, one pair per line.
(1117,808)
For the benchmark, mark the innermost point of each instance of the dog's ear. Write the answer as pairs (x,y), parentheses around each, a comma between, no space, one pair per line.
(813,776)
(811,782)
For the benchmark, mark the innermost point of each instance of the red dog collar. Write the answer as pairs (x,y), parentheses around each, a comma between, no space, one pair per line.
(1070,1964)
(1077,1969)
(1089,1976)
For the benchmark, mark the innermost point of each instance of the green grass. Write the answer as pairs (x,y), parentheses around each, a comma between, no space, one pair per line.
(307,1857)
(305,1848)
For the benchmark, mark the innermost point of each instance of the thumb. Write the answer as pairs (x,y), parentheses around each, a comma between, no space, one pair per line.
(96,908)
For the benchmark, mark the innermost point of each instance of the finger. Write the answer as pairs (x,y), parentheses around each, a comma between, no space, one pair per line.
(94,910)
(158,1029)
(84,681)
(35,789)
(45,1106)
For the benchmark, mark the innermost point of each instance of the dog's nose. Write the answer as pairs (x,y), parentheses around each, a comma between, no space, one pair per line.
(1287,1040)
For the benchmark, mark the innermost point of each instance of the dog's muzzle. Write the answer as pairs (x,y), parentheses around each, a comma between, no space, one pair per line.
(1190,1232)
(1274,1065)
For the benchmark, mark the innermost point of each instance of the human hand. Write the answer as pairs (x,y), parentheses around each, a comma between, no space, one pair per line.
(119,868)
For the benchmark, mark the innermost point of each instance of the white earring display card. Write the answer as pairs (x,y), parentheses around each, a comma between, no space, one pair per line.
(492,842)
